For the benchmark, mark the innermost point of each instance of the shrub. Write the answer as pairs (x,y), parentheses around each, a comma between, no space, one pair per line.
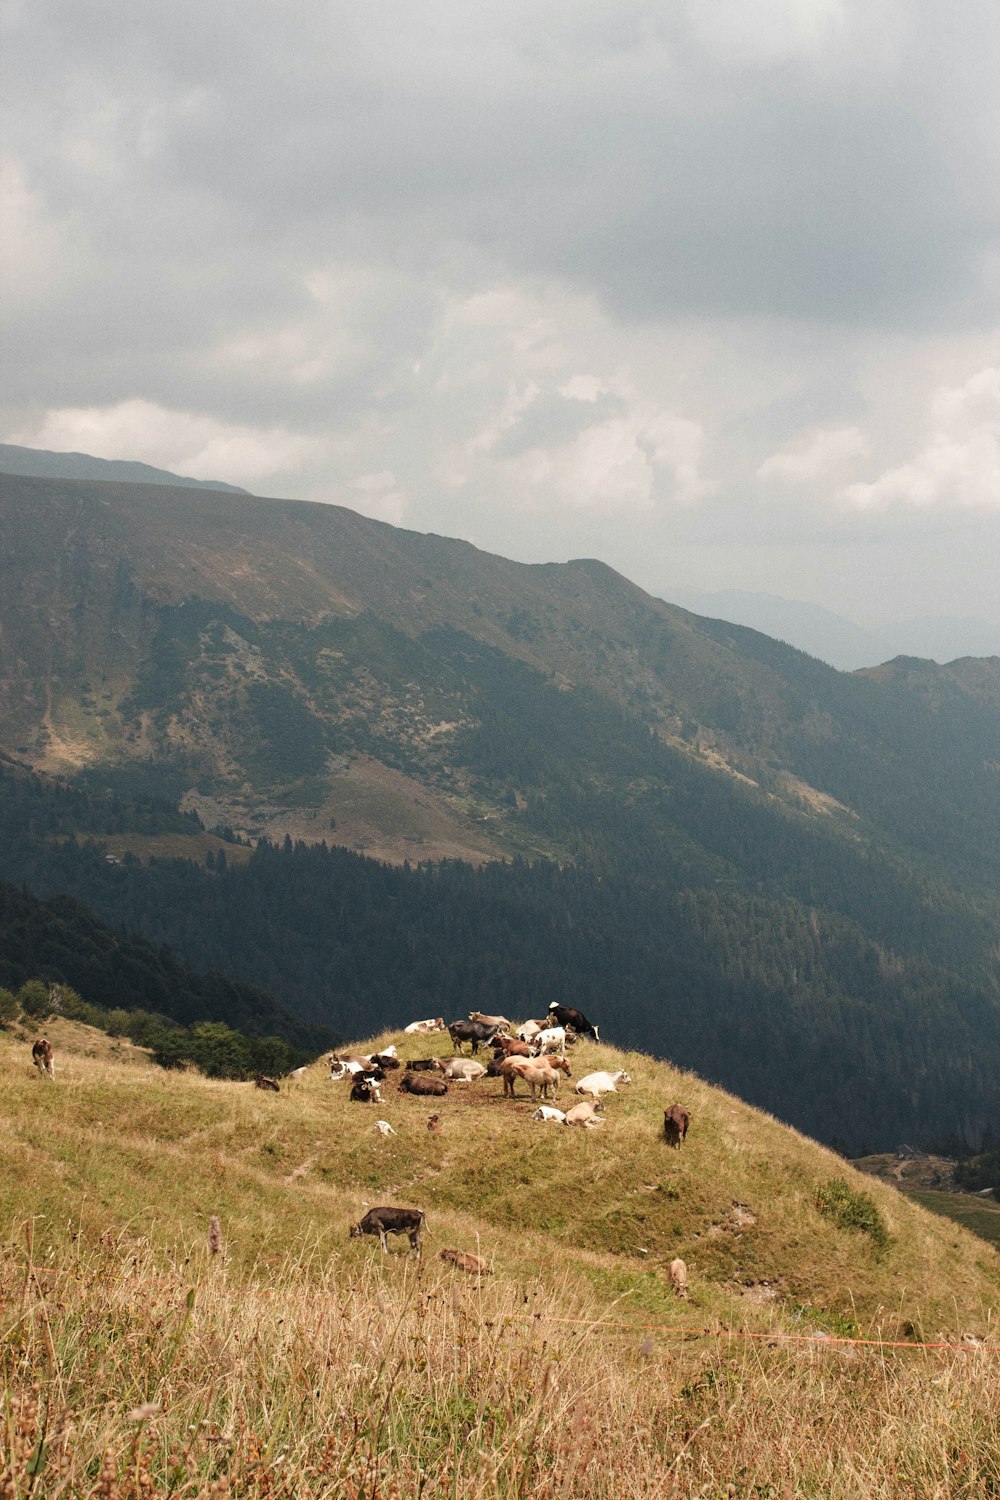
(851,1209)
(35,999)
(9,1007)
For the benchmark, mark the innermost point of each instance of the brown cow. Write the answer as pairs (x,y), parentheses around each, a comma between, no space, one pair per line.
(466,1261)
(675,1124)
(261,1081)
(422,1083)
(41,1056)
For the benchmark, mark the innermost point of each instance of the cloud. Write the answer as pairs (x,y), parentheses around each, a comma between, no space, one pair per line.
(197,446)
(824,453)
(958,464)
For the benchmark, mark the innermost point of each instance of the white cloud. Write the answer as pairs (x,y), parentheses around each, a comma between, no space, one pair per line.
(959,461)
(200,447)
(825,452)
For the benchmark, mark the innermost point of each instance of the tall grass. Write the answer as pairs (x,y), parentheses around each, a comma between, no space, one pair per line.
(127,1377)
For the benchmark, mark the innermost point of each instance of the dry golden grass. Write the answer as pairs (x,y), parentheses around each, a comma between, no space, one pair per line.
(299,1363)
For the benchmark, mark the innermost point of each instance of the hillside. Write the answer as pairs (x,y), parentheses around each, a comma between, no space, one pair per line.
(42,463)
(508,1378)
(779,874)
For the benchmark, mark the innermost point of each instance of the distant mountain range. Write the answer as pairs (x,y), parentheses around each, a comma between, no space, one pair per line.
(780,874)
(839,641)
(42,464)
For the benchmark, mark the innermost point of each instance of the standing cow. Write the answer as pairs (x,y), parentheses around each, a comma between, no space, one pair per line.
(675,1124)
(41,1056)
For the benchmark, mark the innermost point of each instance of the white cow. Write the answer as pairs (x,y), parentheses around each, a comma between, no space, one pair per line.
(602,1083)
(546,1112)
(552,1039)
(529,1030)
(462,1069)
(436,1023)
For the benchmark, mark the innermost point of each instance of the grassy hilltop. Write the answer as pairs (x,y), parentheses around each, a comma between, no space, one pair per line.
(299,1362)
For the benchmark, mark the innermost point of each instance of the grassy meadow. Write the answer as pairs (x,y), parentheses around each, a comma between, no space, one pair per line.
(297,1362)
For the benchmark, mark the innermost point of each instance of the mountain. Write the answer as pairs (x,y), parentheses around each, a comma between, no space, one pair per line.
(723,843)
(43,464)
(187,1283)
(841,642)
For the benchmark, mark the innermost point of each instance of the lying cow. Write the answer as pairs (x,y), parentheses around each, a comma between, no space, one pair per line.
(422,1083)
(466,1261)
(565,1015)
(462,1069)
(422,1028)
(587,1113)
(675,1124)
(261,1081)
(546,1112)
(383,1221)
(42,1057)
(365,1090)
(528,1030)
(602,1083)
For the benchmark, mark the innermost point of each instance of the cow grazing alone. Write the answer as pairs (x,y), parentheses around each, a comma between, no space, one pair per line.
(679,1277)
(602,1083)
(565,1015)
(41,1056)
(466,1261)
(470,1031)
(675,1124)
(422,1083)
(423,1028)
(383,1221)
(261,1081)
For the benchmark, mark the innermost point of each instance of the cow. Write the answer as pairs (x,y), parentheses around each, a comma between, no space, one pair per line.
(508,1046)
(602,1083)
(296,1075)
(565,1015)
(586,1113)
(386,1060)
(679,1277)
(261,1081)
(424,1065)
(470,1031)
(546,1112)
(552,1039)
(421,1083)
(500,1022)
(434,1124)
(528,1030)
(42,1057)
(422,1028)
(675,1124)
(365,1090)
(462,1069)
(383,1221)
(384,1128)
(466,1261)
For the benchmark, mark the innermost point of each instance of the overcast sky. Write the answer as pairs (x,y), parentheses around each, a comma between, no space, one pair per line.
(709,289)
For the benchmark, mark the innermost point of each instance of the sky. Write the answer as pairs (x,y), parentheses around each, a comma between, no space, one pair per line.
(708,289)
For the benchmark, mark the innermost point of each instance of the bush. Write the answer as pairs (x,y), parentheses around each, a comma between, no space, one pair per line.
(9,1007)
(35,999)
(851,1209)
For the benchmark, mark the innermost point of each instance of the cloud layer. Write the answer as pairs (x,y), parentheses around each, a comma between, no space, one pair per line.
(713,286)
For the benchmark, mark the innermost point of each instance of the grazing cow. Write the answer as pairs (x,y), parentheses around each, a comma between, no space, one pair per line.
(421,1083)
(261,1081)
(470,1031)
(565,1015)
(42,1057)
(422,1028)
(602,1083)
(552,1039)
(508,1046)
(546,1112)
(463,1069)
(500,1022)
(365,1090)
(679,1277)
(675,1124)
(466,1261)
(383,1127)
(586,1113)
(383,1221)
